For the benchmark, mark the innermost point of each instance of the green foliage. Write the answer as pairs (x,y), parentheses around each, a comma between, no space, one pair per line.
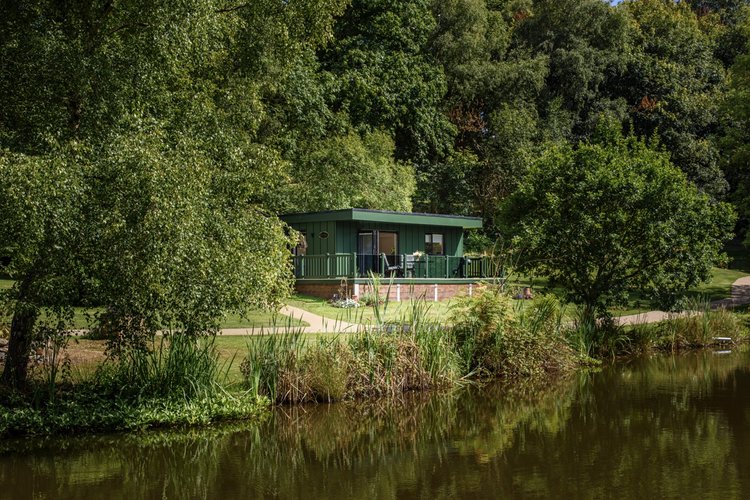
(385,79)
(174,365)
(674,84)
(607,218)
(354,171)
(495,338)
(88,412)
(736,110)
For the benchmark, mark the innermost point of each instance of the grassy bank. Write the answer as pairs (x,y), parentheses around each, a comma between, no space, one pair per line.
(700,327)
(489,336)
(178,380)
(174,380)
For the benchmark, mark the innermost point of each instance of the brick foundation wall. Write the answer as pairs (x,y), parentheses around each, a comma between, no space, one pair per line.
(407,292)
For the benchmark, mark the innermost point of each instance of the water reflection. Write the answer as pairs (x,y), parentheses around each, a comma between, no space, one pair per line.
(665,426)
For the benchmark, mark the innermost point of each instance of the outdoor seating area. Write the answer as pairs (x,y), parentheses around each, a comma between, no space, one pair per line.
(406,266)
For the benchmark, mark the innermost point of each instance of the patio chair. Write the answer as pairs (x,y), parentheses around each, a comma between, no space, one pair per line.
(390,269)
(409,265)
(460,270)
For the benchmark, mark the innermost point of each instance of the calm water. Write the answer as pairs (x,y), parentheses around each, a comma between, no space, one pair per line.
(665,427)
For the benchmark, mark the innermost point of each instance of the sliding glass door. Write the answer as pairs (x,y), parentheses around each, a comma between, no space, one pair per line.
(371,245)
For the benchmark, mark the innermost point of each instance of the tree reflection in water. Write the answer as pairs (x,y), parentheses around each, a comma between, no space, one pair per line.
(666,426)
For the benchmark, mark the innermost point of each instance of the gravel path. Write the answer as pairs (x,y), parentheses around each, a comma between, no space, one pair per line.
(740,295)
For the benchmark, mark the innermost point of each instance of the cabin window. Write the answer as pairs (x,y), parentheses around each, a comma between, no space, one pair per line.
(433,244)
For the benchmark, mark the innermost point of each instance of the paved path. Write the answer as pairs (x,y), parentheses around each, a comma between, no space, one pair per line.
(317,324)
(739,295)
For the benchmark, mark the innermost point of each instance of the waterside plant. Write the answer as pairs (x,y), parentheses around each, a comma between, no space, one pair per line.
(488,337)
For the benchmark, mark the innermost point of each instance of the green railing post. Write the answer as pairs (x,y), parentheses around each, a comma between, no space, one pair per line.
(353,271)
(426,266)
(302,266)
(328,265)
(447,267)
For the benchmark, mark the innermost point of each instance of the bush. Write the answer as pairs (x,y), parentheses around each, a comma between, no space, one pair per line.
(496,338)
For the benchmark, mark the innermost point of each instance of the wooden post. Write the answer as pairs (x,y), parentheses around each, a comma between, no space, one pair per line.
(447,267)
(353,271)
(328,265)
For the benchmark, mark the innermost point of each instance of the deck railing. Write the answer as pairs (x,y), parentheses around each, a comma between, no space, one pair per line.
(352,265)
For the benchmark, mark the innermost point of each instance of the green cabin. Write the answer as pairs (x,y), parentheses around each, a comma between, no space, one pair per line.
(354,242)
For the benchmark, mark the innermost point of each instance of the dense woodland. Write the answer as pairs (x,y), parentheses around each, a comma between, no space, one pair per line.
(146,147)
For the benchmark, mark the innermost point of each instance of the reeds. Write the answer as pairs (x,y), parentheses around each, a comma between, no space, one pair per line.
(175,364)
(489,339)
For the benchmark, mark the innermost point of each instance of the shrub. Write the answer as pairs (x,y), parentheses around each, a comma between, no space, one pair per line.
(497,339)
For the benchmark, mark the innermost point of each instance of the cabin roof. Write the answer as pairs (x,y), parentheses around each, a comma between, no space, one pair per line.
(362,214)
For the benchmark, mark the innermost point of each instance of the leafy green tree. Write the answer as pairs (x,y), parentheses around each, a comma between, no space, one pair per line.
(736,139)
(385,78)
(586,43)
(40,211)
(137,169)
(674,83)
(608,218)
(353,171)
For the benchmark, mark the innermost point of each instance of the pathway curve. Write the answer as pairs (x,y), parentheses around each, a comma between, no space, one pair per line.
(316,324)
(739,295)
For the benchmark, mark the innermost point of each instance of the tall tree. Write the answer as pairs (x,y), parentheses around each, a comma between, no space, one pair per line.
(674,83)
(134,169)
(735,141)
(609,217)
(386,79)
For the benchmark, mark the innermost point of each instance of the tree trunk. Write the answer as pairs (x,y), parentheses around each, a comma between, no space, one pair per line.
(19,347)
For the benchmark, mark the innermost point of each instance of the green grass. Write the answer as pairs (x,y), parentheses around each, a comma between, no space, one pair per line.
(233,349)
(395,311)
(83,318)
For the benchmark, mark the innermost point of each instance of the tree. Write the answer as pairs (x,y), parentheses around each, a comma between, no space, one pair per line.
(385,78)
(40,213)
(614,216)
(734,142)
(674,83)
(347,171)
(134,173)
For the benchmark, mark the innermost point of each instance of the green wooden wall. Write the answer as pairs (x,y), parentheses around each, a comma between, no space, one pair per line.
(315,244)
(342,236)
(410,237)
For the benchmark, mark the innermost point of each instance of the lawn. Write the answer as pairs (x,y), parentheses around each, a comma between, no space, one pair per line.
(83,317)
(390,312)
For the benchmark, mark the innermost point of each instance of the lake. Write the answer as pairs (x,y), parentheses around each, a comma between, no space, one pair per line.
(660,427)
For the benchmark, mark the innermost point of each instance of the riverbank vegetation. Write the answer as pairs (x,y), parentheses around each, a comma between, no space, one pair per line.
(147,149)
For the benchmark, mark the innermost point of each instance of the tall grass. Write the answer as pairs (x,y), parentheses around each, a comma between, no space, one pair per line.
(699,325)
(490,338)
(271,367)
(175,364)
